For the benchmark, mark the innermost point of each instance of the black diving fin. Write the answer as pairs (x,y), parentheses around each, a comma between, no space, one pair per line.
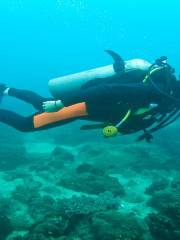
(119,68)
(119,65)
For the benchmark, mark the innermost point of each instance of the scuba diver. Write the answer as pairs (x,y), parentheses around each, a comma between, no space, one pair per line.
(122,100)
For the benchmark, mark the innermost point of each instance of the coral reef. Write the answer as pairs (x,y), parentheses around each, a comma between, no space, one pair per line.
(92,184)
(12,156)
(162,227)
(107,191)
(87,205)
(89,168)
(176,181)
(60,156)
(25,193)
(165,224)
(113,226)
(5,226)
(157,185)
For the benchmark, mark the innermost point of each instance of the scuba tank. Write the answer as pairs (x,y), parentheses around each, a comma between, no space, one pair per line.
(68,85)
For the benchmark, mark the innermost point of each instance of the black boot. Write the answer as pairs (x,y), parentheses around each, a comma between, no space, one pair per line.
(2,89)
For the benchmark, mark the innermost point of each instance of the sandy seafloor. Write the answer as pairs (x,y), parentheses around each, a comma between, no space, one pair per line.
(69,185)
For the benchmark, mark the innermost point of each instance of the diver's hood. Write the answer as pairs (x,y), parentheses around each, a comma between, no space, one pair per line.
(67,85)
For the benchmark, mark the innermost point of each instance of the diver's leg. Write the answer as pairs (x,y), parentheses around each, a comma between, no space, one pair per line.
(28,96)
(41,121)
(23,124)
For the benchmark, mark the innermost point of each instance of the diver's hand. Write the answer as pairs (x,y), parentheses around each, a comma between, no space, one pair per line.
(52,106)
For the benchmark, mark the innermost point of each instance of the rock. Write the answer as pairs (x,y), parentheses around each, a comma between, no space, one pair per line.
(21,222)
(92,184)
(5,226)
(114,225)
(165,224)
(42,206)
(86,206)
(108,159)
(52,227)
(12,156)
(25,193)
(35,236)
(157,185)
(176,182)
(149,157)
(5,205)
(60,156)
(162,227)
(88,168)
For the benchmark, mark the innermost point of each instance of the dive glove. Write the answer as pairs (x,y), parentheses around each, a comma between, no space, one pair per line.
(52,106)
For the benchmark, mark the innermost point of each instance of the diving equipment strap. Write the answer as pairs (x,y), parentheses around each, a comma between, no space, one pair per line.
(159,65)
(124,119)
(148,76)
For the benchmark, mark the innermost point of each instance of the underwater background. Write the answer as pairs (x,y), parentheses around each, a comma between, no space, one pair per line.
(66,184)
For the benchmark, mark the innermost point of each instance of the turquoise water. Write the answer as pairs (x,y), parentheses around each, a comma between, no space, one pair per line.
(66,184)
(43,39)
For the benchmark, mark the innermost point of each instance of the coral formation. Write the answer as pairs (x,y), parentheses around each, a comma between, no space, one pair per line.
(92,183)
(87,205)
(5,226)
(113,191)
(157,185)
(165,224)
(19,156)
(113,226)
(60,156)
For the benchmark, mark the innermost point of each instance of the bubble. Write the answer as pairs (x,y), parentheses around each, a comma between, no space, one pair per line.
(76,5)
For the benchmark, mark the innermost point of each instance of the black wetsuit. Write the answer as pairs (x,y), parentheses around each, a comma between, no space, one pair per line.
(109,99)
(19,122)
(107,102)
